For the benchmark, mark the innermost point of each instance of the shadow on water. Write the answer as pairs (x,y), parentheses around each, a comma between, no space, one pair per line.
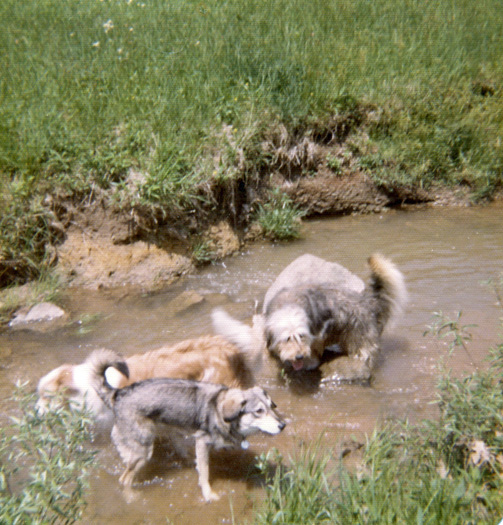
(444,254)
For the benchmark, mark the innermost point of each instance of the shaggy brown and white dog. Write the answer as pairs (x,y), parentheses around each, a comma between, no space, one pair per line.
(314,304)
(232,361)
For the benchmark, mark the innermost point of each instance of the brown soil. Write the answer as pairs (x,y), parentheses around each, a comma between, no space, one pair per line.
(101,250)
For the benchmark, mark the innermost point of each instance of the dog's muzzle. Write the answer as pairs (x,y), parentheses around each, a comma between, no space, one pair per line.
(298,363)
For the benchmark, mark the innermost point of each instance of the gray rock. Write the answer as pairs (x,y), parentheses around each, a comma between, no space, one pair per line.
(40,313)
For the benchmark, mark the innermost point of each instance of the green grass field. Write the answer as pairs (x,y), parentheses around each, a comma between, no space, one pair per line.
(185,94)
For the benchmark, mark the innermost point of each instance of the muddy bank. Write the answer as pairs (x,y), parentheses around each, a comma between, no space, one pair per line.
(106,248)
(107,244)
(114,233)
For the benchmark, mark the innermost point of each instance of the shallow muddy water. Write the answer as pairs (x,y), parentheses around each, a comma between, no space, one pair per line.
(445,255)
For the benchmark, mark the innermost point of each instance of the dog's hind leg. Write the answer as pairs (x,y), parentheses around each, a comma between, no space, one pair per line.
(132,468)
(202,465)
(134,453)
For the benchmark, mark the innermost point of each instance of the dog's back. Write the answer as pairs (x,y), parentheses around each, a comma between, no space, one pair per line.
(178,402)
(213,359)
(311,270)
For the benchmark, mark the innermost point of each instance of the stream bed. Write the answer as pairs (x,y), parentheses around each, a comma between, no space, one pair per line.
(446,255)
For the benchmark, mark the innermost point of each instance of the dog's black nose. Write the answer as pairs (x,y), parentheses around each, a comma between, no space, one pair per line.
(299,357)
(282,425)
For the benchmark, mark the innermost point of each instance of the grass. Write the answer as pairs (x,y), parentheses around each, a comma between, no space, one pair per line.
(279,218)
(186,93)
(447,470)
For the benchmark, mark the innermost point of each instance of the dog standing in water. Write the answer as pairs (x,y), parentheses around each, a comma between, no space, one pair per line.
(314,304)
(219,416)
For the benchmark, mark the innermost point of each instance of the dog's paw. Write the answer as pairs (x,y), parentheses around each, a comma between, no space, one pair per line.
(130,494)
(209,495)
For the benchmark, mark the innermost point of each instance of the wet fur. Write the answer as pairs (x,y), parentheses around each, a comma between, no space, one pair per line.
(219,416)
(211,358)
(302,321)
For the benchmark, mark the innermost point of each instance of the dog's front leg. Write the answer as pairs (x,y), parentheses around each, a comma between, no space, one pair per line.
(346,369)
(202,465)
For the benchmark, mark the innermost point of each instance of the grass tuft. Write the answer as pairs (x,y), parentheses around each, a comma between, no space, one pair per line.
(279,218)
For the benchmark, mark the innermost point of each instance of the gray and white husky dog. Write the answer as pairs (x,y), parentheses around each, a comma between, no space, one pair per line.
(219,416)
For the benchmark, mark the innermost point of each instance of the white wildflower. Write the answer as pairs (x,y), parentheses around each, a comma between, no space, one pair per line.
(108,26)
(479,453)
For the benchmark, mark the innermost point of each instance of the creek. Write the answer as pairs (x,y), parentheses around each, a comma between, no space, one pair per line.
(446,255)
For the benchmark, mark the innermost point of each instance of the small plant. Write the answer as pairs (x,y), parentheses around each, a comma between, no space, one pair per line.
(300,493)
(334,164)
(26,232)
(443,327)
(202,253)
(44,464)
(279,217)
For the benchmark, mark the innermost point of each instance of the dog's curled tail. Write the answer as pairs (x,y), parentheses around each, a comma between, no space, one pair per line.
(388,285)
(249,339)
(106,368)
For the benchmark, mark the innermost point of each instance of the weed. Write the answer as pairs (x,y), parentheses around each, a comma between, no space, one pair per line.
(335,164)
(44,464)
(279,218)
(443,327)
(202,253)
(301,494)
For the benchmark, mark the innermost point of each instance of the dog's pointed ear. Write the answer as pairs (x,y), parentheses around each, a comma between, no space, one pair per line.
(232,404)
(264,396)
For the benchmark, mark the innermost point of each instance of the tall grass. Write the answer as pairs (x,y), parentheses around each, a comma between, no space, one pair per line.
(99,85)
(91,89)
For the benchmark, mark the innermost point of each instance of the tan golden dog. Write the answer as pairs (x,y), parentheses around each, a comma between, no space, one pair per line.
(232,361)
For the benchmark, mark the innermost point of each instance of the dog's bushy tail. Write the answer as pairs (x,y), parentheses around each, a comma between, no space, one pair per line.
(387,284)
(249,339)
(101,365)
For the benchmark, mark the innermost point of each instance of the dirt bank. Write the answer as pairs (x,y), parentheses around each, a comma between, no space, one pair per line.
(103,248)
(320,169)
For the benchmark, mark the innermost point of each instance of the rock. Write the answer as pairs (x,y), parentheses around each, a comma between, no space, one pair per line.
(40,314)
(222,240)
(185,300)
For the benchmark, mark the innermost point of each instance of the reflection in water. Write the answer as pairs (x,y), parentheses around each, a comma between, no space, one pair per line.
(444,254)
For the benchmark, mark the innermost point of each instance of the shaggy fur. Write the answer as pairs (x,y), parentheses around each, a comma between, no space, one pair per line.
(304,315)
(221,417)
(232,361)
